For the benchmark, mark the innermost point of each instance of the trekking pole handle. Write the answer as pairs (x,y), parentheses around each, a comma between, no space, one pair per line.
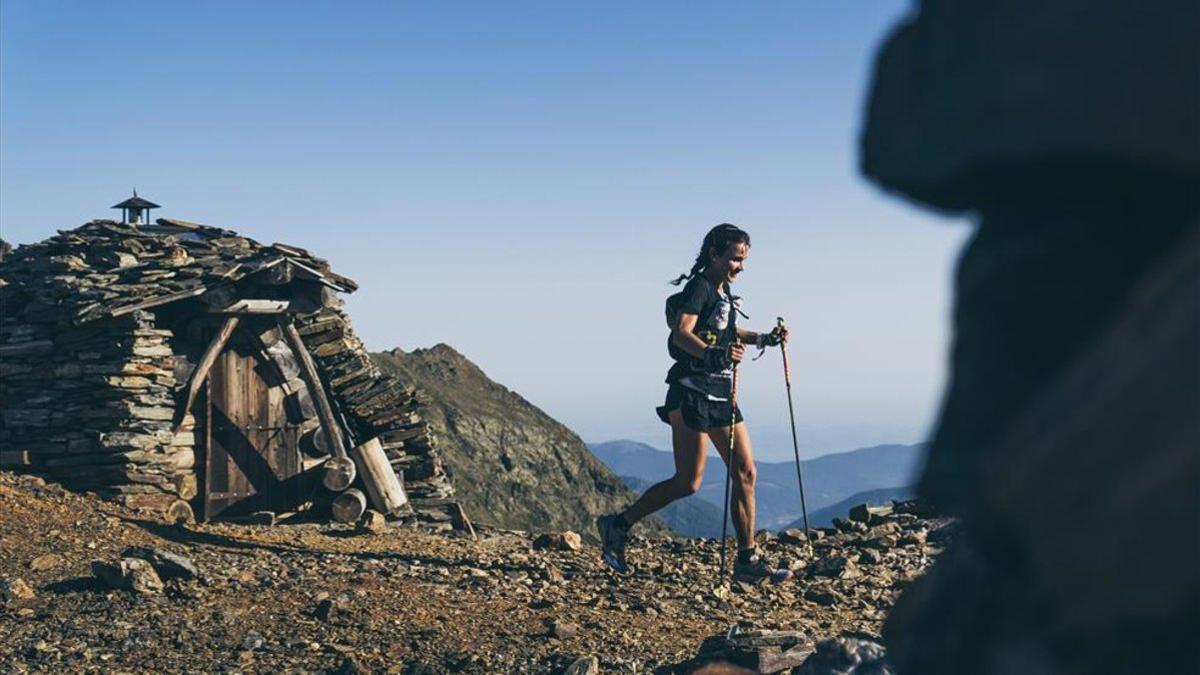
(787,372)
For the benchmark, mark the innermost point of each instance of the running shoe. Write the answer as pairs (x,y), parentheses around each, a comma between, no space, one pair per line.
(613,538)
(756,569)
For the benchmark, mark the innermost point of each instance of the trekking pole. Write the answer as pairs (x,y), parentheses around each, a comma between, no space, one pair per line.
(729,466)
(787,379)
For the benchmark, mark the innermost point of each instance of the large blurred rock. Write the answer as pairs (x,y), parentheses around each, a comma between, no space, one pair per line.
(1082,553)
(964,93)
(1069,435)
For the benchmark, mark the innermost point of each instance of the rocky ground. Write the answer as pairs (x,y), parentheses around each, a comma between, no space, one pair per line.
(321,598)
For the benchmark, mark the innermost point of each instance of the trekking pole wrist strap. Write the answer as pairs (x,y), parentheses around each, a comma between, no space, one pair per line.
(764,340)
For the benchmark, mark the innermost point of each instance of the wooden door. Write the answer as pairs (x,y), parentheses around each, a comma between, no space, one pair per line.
(252,459)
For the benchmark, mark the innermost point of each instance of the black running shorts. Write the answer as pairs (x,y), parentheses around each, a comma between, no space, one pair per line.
(699,413)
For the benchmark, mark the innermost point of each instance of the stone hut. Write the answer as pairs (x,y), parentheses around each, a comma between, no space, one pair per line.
(180,367)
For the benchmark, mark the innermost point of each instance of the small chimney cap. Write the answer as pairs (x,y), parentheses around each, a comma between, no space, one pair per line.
(136,202)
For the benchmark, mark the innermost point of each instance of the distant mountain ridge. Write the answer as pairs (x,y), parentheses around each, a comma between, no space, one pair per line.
(512,465)
(828,479)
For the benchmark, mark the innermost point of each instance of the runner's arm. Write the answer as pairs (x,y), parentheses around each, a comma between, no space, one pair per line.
(685,339)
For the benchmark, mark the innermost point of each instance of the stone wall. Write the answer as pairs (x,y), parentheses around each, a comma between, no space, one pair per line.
(92,406)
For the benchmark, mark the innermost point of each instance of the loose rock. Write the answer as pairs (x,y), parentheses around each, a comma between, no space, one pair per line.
(15,590)
(373,522)
(130,574)
(563,630)
(837,566)
(45,562)
(565,541)
(168,565)
(586,666)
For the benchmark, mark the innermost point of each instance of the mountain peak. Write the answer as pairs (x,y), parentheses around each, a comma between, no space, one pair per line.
(513,465)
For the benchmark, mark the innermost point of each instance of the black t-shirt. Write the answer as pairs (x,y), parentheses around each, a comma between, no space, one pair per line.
(714,325)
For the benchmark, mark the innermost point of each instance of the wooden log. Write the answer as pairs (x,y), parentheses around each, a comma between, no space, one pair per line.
(383,486)
(206,363)
(309,369)
(185,485)
(458,517)
(349,506)
(340,472)
(314,441)
(182,458)
(184,439)
(180,511)
(15,458)
(145,458)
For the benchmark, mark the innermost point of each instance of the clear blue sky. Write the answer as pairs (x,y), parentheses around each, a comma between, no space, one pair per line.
(516,179)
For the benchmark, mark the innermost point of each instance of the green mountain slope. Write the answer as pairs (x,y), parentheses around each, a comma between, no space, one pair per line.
(512,465)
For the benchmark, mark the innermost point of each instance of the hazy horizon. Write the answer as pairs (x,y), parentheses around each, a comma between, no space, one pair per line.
(518,181)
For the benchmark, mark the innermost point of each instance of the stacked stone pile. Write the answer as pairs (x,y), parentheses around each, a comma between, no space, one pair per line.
(93,406)
(378,405)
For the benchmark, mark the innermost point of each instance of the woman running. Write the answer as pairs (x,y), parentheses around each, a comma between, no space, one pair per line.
(705,343)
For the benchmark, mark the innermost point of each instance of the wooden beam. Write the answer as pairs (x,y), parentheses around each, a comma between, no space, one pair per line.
(309,369)
(206,362)
(257,306)
(276,275)
(150,302)
(249,306)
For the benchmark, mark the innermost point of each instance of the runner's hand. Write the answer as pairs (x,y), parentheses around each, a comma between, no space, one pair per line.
(777,335)
(737,351)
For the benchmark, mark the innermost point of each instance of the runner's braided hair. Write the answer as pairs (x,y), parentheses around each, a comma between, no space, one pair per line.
(716,241)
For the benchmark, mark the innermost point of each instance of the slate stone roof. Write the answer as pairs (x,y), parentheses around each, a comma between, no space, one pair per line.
(107,269)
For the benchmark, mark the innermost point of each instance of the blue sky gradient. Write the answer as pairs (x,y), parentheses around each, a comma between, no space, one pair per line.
(518,180)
